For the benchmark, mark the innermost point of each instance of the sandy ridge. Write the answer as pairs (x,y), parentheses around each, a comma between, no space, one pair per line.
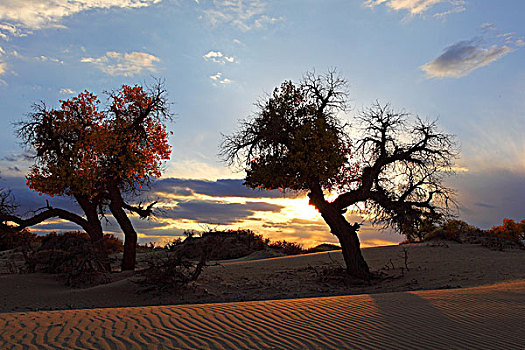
(487,317)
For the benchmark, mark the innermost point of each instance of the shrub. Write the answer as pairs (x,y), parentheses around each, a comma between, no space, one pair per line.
(16,239)
(510,230)
(223,245)
(73,255)
(113,244)
(450,231)
(170,272)
(176,269)
(288,248)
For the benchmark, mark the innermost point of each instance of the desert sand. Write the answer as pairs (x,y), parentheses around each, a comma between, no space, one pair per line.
(454,296)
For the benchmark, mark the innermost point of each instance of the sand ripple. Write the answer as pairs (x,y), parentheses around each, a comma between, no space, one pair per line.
(489,317)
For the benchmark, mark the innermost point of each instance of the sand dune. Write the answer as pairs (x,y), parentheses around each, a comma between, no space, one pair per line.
(487,317)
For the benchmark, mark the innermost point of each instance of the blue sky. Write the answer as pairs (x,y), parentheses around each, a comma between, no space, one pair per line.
(459,61)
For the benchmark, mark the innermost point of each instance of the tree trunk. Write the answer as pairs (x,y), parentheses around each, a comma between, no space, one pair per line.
(356,265)
(130,235)
(94,229)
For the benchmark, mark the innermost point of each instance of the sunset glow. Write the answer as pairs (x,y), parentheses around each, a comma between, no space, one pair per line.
(459,62)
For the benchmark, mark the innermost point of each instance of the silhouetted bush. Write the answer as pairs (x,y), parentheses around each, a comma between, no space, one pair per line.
(113,244)
(171,272)
(177,269)
(288,248)
(324,247)
(11,240)
(73,255)
(451,230)
(233,244)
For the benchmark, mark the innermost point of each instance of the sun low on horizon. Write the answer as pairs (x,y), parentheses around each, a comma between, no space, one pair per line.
(457,62)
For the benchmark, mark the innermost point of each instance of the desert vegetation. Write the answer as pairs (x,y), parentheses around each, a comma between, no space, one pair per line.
(97,155)
(394,169)
(79,262)
(389,164)
(510,234)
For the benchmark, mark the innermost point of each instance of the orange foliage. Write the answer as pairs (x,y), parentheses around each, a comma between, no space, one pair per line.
(510,230)
(80,146)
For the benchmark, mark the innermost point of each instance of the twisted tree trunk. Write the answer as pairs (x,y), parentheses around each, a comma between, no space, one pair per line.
(356,265)
(116,206)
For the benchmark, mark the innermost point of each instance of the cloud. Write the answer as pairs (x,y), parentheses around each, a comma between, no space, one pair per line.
(462,58)
(124,64)
(17,157)
(218,57)
(30,200)
(242,14)
(418,7)
(219,79)
(67,91)
(216,212)
(220,188)
(449,12)
(488,26)
(8,30)
(486,197)
(3,65)
(49,59)
(14,169)
(19,17)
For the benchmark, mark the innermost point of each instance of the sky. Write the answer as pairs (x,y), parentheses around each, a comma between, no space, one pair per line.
(458,61)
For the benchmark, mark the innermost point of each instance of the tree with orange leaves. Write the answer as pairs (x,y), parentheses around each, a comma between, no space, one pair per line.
(98,156)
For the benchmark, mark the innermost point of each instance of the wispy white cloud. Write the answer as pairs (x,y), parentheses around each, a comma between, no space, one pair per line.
(488,26)
(217,78)
(124,64)
(243,14)
(520,42)
(218,57)
(444,14)
(464,57)
(49,59)
(418,7)
(9,30)
(67,91)
(3,65)
(19,17)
